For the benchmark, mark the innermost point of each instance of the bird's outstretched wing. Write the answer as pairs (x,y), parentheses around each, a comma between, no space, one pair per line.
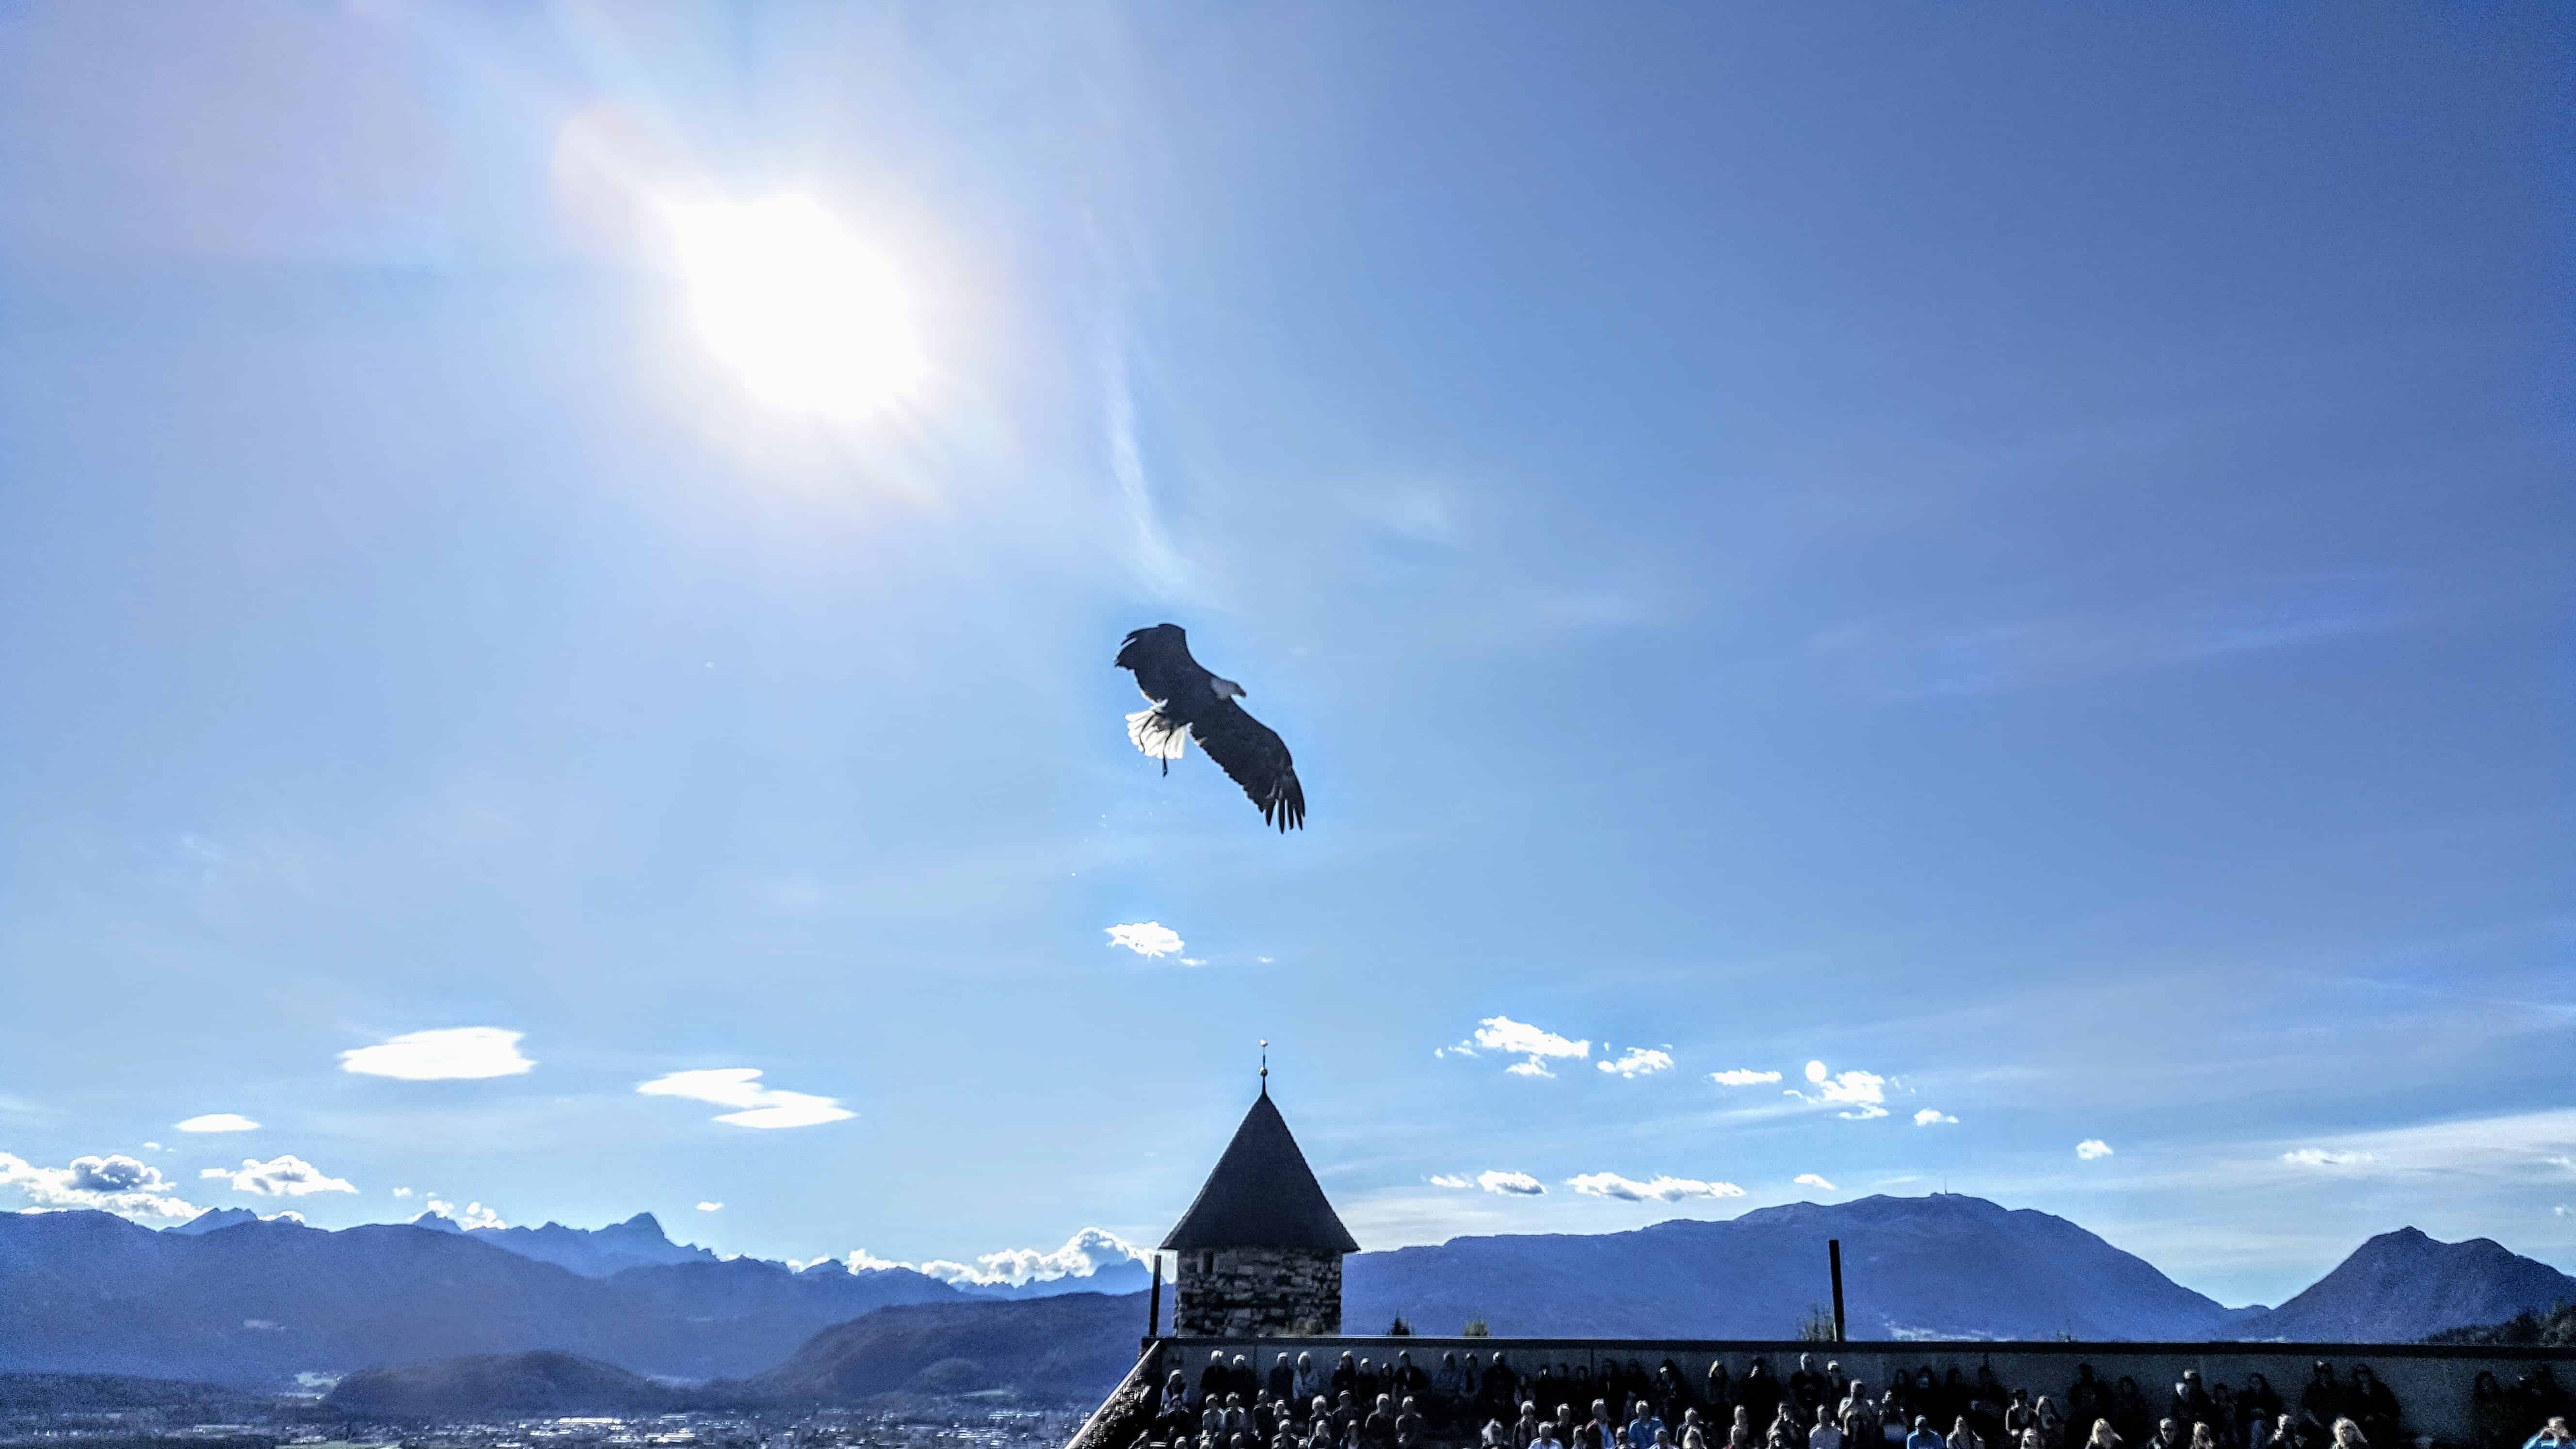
(1253,756)
(1160,659)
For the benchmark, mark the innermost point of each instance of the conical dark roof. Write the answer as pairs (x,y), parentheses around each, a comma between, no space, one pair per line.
(1262,1195)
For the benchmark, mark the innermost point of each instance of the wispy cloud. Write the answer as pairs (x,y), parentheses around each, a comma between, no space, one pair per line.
(2320,1157)
(1638,1062)
(2091,1148)
(1534,1046)
(460,1053)
(1906,659)
(217,1122)
(1809,1179)
(711,1207)
(756,1105)
(1147,938)
(115,1183)
(1658,1189)
(1742,1077)
(285,1175)
(1507,1184)
(1151,554)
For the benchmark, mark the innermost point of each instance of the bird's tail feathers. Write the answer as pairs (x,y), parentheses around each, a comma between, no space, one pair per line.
(1157,735)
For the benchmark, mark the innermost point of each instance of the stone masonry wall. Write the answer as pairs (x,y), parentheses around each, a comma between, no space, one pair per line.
(1259,1293)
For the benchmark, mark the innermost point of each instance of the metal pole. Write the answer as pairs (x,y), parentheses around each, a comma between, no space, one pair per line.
(1154,1304)
(1834,1255)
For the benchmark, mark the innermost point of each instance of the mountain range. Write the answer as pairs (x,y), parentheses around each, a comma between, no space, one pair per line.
(261,1301)
(1943,1266)
(2403,1286)
(257,1301)
(639,1242)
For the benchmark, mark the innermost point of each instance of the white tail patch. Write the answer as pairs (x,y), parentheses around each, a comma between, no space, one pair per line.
(1157,736)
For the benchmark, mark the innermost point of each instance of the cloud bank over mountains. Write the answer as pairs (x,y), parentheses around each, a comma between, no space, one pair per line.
(115,1183)
(286,1175)
(1082,1255)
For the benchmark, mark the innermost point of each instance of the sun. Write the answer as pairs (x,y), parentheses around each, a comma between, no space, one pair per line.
(810,319)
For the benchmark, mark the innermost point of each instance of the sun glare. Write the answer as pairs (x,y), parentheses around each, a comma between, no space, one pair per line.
(810,319)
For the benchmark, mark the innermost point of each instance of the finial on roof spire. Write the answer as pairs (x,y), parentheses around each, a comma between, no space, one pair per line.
(1265,1066)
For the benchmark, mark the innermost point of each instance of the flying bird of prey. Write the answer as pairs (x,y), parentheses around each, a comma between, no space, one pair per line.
(1186,702)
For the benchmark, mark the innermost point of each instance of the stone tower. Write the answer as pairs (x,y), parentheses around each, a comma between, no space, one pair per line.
(1260,1248)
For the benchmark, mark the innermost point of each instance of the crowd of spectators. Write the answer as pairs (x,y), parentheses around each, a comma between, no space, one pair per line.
(1358,1402)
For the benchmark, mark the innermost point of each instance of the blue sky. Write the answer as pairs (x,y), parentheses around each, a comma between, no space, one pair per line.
(2018,554)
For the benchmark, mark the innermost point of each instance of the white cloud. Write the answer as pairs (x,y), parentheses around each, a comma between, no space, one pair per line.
(1932,1117)
(1083,1254)
(1864,1093)
(1743,1077)
(739,1087)
(154,1147)
(471,1217)
(2092,1147)
(216,1122)
(1532,1045)
(2559,1211)
(1638,1062)
(114,1183)
(1147,938)
(284,1176)
(2319,1157)
(402,1192)
(1809,1179)
(1194,960)
(1660,1189)
(458,1053)
(1506,1184)
(711,1207)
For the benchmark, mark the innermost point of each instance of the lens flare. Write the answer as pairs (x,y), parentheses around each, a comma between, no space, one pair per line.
(810,319)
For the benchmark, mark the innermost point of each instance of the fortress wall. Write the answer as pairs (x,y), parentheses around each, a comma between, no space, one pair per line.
(2433,1385)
